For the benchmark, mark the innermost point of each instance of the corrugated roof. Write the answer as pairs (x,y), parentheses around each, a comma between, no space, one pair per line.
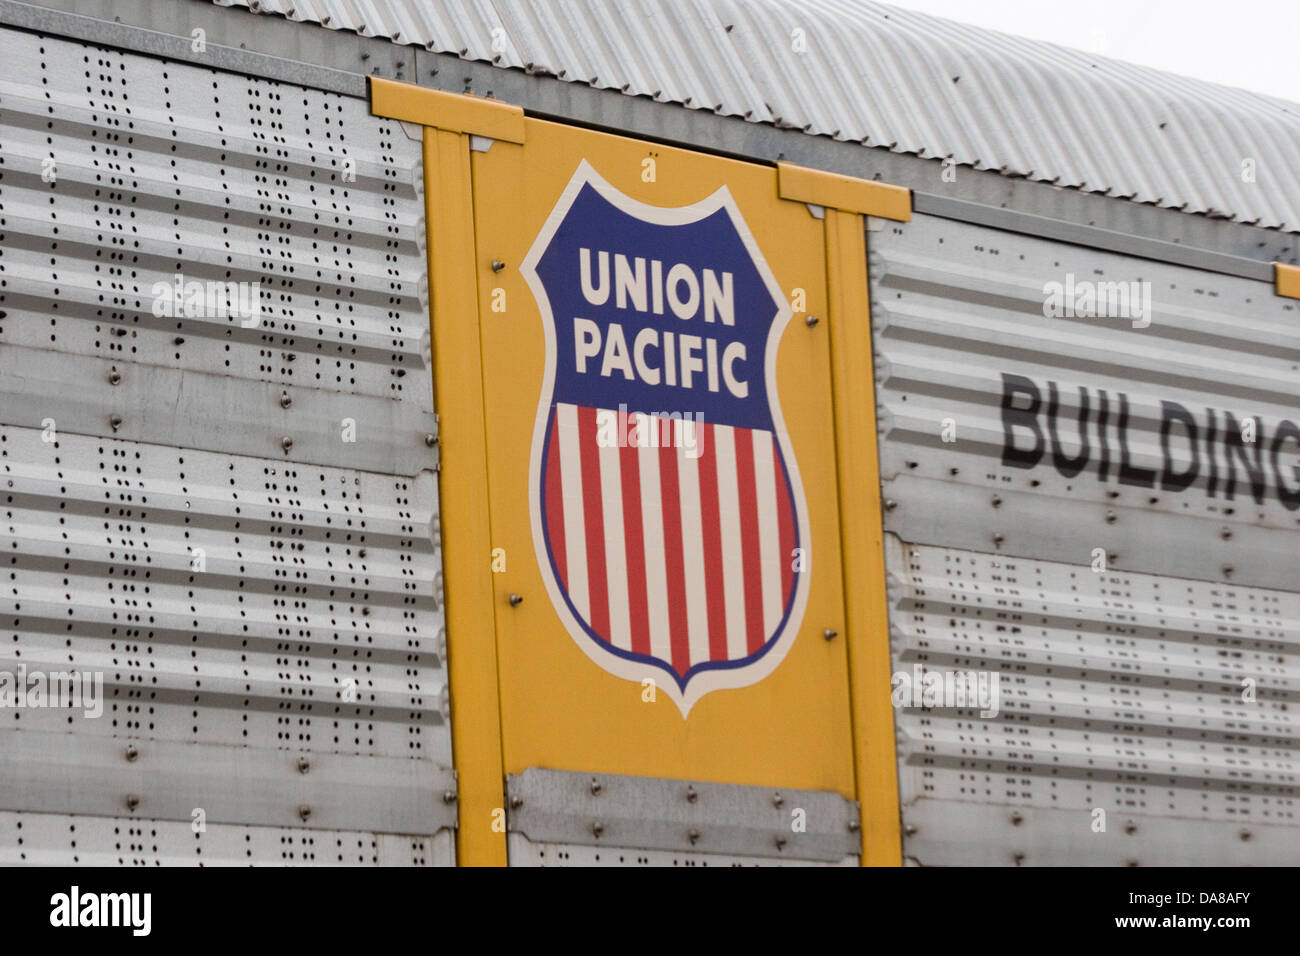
(885,77)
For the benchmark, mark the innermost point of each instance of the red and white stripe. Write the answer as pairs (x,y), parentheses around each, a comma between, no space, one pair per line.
(678,552)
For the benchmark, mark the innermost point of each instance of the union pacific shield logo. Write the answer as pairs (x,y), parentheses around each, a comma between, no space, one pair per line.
(667,511)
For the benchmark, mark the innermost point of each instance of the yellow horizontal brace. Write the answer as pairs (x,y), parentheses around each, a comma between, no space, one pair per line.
(1287,279)
(846,193)
(454,112)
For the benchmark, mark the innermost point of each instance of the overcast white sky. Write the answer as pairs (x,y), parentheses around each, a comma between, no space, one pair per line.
(1251,44)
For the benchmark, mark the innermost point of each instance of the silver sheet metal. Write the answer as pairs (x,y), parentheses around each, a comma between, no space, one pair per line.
(599,810)
(58,839)
(166,780)
(972,834)
(957,315)
(1167,706)
(233,525)
(524,853)
(870,73)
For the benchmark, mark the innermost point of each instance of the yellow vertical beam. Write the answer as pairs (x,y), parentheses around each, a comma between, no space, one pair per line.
(463,482)
(862,538)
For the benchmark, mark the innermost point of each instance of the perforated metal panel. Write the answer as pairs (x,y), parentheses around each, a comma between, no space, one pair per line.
(235,523)
(56,839)
(526,853)
(1144,629)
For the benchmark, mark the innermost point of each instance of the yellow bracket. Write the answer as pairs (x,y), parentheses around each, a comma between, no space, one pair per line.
(862,537)
(1287,280)
(845,193)
(453,112)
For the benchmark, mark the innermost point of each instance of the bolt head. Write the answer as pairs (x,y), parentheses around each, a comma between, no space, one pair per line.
(812,320)
(132,801)
(303,764)
(132,752)
(304,811)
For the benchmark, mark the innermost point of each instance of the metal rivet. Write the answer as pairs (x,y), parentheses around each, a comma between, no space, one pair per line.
(1227,570)
(179,340)
(910,829)
(115,421)
(285,400)
(997,501)
(516,802)
(114,377)
(1130,828)
(1110,517)
(497,265)
(1244,834)
(693,836)
(132,752)
(830,634)
(449,796)
(1130,862)
(597,829)
(430,439)
(132,801)
(997,537)
(1226,533)
(854,826)
(303,764)
(1017,819)
(1019,858)
(691,794)
(812,320)
(777,800)
(286,442)
(954,471)
(595,787)
(890,504)
(780,843)
(304,811)
(516,600)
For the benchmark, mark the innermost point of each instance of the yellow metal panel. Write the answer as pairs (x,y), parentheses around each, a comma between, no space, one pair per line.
(454,112)
(862,537)
(467,580)
(1288,280)
(560,710)
(844,192)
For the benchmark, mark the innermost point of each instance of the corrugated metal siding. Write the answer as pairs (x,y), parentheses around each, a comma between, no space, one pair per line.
(235,525)
(57,839)
(523,852)
(885,77)
(1119,692)
(1122,685)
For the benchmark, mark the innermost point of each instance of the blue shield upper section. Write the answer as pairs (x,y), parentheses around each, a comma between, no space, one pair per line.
(692,363)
